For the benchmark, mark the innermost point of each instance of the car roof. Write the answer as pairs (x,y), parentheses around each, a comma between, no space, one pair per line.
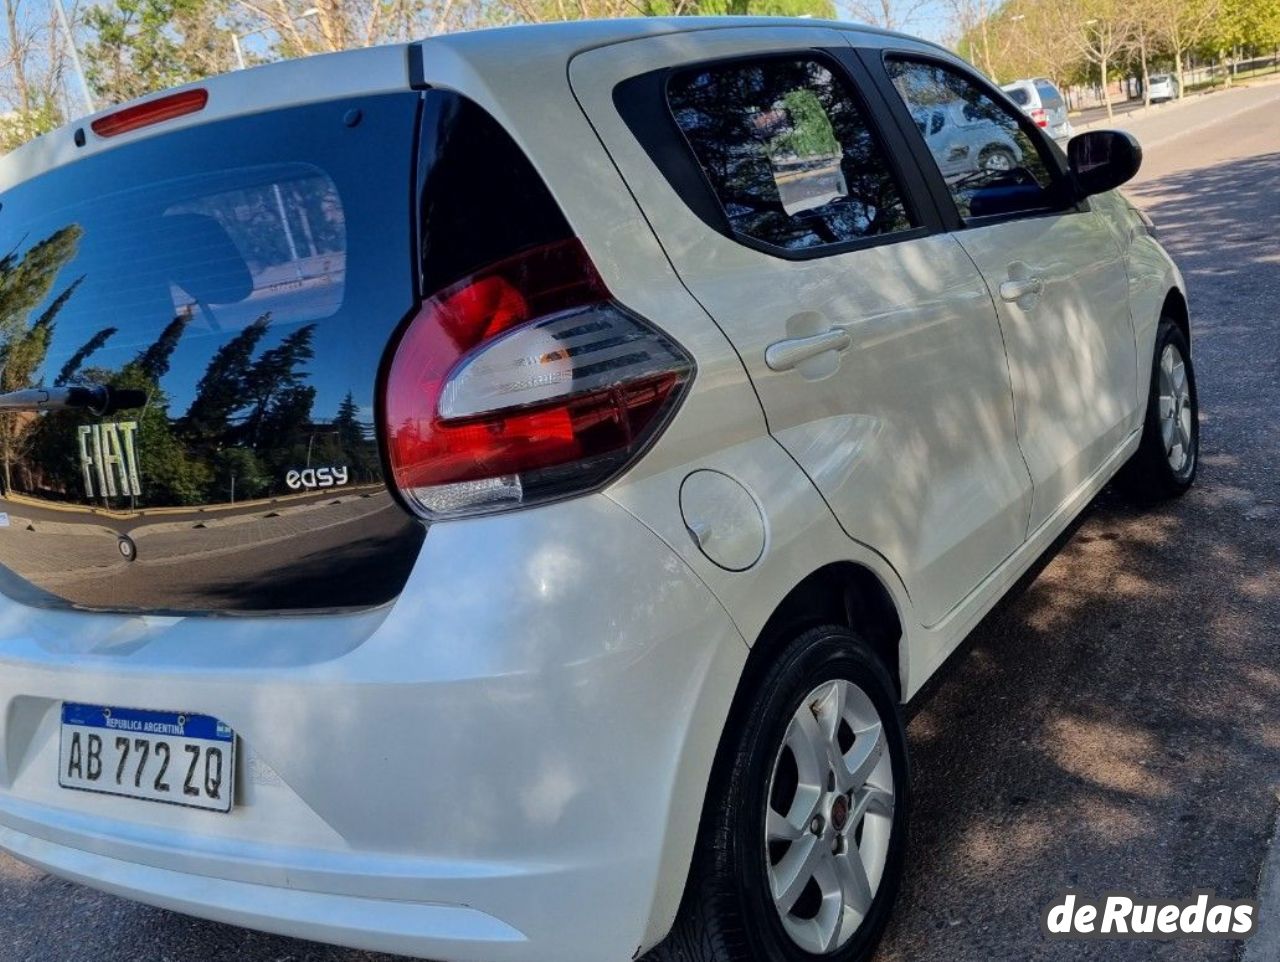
(384,69)
(1013,84)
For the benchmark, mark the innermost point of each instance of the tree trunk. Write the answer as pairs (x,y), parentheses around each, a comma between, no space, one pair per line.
(986,51)
(1106,92)
(1146,74)
(1226,68)
(1182,80)
(18,57)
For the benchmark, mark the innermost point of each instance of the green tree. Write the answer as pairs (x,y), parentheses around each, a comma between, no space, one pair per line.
(26,280)
(171,476)
(238,476)
(276,375)
(286,435)
(82,354)
(1231,26)
(1181,26)
(23,124)
(154,361)
(355,444)
(819,9)
(224,390)
(810,133)
(140,46)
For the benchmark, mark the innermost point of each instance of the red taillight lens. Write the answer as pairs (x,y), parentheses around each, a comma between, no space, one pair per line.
(524,383)
(152,112)
(1040,116)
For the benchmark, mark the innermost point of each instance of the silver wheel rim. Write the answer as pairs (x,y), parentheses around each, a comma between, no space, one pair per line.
(1176,411)
(998,161)
(829,817)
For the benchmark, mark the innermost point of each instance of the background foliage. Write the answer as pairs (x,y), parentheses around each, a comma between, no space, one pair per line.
(132,47)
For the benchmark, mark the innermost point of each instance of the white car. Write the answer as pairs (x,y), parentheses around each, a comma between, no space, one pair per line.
(1041,100)
(1162,87)
(488,499)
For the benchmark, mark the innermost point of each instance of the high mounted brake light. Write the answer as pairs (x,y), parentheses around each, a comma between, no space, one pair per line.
(151,112)
(525,383)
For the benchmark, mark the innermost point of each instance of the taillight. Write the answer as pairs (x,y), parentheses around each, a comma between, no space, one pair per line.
(525,383)
(151,112)
(1040,116)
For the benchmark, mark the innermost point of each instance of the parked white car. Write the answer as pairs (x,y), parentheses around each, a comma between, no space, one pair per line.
(1163,86)
(1041,100)
(488,499)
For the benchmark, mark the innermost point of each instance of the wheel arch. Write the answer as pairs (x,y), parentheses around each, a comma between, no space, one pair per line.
(846,593)
(842,593)
(1175,309)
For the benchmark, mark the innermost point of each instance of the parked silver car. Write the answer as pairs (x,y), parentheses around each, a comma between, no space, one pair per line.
(1042,102)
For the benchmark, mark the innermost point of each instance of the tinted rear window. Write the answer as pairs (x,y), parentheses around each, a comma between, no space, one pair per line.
(247,275)
(1020,96)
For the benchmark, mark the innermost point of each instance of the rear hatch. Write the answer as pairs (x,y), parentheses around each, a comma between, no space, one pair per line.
(246,276)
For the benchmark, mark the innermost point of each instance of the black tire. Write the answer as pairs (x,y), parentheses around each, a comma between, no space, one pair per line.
(728,913)
(1150,475)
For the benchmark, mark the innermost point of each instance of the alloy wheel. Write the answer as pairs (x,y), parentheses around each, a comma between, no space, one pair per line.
(1176,410)
(829,816)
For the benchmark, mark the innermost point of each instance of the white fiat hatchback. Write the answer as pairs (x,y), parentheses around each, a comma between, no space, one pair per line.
(489,499)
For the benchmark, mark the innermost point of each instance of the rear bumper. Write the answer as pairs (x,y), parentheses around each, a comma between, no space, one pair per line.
(507,764)
(378,924)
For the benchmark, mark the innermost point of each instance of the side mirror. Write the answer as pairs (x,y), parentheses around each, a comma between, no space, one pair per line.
(1102,160)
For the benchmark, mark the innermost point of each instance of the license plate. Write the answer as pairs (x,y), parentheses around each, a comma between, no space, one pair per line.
(158,756)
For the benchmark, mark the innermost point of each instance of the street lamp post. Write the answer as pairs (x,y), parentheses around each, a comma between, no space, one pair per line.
(65,24)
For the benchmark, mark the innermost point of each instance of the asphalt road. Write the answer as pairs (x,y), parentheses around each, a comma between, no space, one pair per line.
(1116,725)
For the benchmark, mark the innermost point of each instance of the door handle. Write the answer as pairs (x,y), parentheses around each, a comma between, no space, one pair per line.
(1014,291)
(785,355)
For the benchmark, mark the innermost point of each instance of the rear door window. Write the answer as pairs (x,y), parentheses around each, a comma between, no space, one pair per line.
(991,164)
(788,153)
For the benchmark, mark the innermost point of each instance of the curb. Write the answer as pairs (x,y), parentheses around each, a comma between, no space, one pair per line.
(1264,945)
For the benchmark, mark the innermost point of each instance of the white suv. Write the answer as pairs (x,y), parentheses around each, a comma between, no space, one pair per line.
(488,499)
(1040,100)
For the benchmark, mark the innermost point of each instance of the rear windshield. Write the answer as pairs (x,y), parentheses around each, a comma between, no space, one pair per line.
(1048,92)
(247,276)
